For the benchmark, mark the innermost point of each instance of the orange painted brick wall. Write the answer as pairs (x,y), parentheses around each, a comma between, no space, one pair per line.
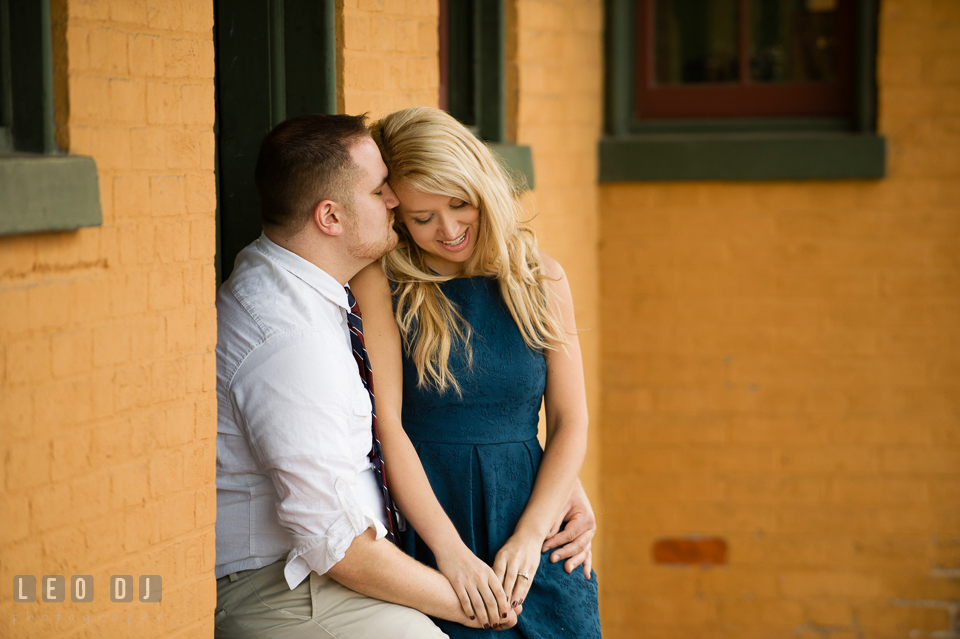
(781,369)
(555,89)
(387,55)
(107,334)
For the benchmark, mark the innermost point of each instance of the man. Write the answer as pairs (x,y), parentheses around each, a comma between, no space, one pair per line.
(302,531)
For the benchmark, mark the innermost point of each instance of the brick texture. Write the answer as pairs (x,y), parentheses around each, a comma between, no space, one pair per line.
(106,454)
(780,372)
(555,105)
(387,58)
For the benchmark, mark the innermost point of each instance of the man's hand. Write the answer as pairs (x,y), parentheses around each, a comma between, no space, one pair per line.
(378,569)
(574,543)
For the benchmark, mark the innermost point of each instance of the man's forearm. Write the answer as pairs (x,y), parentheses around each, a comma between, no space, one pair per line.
(379,569)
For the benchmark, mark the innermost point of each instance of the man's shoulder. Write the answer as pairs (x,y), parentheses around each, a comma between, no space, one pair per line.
(272,297)
(255,280)
(263,305)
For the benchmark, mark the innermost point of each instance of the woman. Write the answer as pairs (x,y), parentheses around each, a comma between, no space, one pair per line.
(469,328)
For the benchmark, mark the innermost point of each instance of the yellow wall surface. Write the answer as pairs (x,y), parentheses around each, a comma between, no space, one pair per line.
(386,55)
(555,105)
(108,415)
(781,370)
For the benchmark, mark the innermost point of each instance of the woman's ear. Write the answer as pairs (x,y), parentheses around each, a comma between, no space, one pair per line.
(328,216)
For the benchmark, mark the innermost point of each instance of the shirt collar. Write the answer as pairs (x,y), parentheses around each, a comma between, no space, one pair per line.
(306,271)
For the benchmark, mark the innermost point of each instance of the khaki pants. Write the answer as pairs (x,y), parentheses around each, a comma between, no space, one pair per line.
(258,603)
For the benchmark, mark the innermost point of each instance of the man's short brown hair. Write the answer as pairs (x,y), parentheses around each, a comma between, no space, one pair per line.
(303,161)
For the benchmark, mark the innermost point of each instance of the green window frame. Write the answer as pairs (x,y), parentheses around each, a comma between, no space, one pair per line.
(737,149)
(274,59)
(477,78)
(41,189)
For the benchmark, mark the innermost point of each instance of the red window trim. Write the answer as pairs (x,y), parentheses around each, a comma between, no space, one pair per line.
(742,99)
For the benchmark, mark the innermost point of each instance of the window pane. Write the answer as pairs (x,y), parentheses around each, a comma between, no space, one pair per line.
(792,40)
(696,41)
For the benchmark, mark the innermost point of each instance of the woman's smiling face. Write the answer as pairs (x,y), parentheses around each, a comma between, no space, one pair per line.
(444,227)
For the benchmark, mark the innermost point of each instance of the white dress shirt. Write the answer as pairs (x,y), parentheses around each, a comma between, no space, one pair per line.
(293,419)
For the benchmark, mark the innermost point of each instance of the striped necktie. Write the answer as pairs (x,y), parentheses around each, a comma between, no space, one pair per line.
(366,374)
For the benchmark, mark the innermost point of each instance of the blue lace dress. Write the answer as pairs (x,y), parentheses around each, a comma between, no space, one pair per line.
(481,454)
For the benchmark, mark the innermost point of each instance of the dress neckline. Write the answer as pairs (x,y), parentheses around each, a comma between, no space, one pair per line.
(458,277)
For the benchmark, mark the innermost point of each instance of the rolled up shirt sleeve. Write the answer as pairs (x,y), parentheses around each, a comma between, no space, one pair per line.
(307,418)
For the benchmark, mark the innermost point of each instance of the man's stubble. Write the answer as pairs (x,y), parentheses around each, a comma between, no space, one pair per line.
(369,251)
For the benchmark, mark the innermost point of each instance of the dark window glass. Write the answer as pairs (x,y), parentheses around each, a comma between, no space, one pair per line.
(458,60)
(793,41)
(6,98)
(747,58)
(696,41)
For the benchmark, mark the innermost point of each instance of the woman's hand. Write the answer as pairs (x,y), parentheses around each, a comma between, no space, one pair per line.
(480,590)
(516,565)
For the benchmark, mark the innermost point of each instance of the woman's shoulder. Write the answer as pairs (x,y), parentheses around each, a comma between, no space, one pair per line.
(556,279)
(370,283)
(551,267)
(372,272)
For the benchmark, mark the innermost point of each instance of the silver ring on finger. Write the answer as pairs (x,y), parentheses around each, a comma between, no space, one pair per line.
(523,574)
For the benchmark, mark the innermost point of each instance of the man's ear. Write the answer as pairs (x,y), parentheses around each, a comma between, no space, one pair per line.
(328,216)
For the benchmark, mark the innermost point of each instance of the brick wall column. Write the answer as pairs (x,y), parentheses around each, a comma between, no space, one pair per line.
(107,452)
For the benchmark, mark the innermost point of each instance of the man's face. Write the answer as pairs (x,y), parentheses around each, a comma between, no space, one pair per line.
(370,220)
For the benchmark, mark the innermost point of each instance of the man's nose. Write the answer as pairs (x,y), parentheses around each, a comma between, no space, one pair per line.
(390,198)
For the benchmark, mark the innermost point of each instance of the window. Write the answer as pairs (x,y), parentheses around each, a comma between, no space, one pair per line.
(736,58)
(741,89)
(473,85)
(40,188)
(275,59)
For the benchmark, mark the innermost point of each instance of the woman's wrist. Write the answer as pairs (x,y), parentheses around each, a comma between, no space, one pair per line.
(530,534)
(450,548)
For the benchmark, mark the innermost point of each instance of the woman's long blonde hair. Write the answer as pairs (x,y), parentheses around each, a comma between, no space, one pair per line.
(428,150)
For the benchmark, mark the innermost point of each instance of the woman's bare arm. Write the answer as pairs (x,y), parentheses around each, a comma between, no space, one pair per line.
(480,591)
(566,408)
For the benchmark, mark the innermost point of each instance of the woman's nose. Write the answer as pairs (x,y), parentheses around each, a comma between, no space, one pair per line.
(450,227)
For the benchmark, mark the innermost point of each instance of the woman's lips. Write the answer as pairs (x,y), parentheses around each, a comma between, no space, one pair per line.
(461,242)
